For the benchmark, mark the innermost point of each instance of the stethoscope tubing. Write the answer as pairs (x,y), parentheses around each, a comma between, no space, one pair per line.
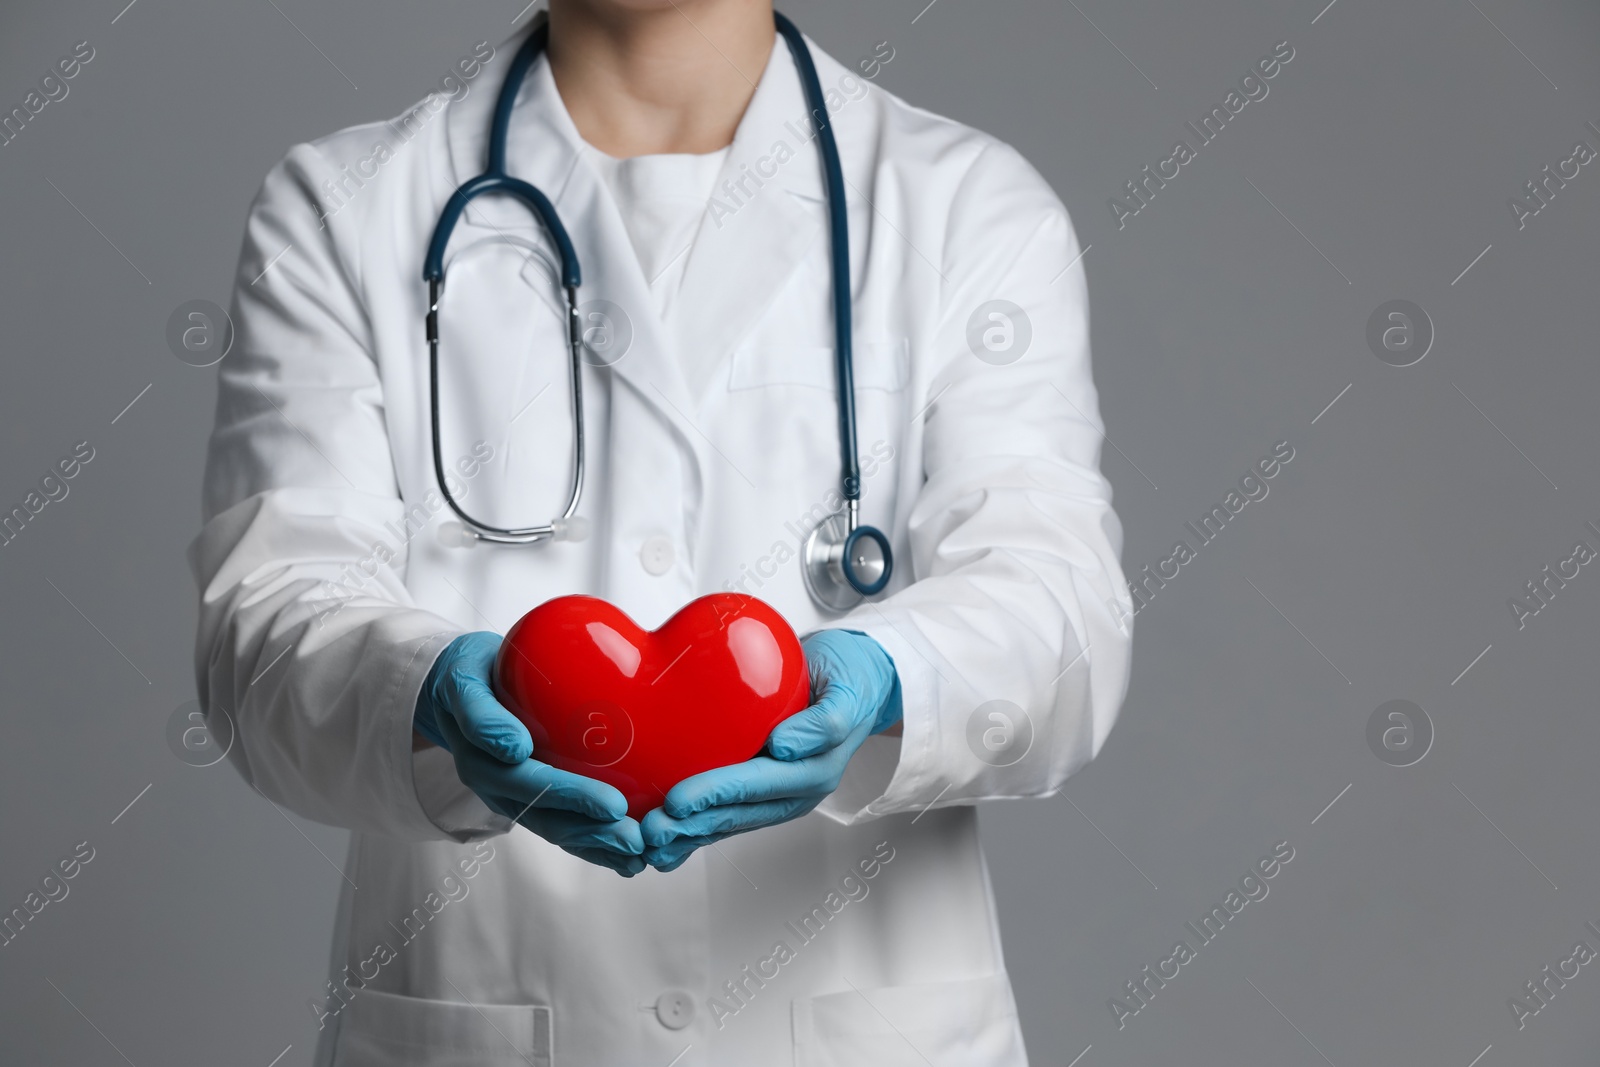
(495,179)
(524,535)
(839,251)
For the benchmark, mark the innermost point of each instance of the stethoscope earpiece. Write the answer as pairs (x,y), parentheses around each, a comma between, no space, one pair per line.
(452,534)
(573,529)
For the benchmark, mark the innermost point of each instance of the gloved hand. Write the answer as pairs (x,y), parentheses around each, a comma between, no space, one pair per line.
(458,711)
(855,693)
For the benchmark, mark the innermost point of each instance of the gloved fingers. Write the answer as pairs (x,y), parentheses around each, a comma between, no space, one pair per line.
(519,811)
(675,854)
(570,831)
(754,780)
(627,866)
(667,863)
(428,726)
(825,724)
(560,790)
(532,782)
(763,779)
(656,828)
(574,833)
(501,806)
(467,700)
(660,829)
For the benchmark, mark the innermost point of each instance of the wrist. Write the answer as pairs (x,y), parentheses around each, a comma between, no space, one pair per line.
(430,701)
(424,724)
(889,710)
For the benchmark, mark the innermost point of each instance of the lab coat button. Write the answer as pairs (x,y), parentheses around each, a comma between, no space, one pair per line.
(675,1009)
(656,555)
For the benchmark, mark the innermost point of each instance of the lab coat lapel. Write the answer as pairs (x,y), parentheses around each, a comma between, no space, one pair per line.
(545,149)
(764,215)
(541,151)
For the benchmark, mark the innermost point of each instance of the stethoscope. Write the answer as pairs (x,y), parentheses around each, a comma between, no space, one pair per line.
(841,560)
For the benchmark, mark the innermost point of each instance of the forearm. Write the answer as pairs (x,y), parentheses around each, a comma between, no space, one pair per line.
(319,683)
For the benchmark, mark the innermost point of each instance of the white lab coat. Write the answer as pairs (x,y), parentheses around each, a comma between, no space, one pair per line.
(323,606)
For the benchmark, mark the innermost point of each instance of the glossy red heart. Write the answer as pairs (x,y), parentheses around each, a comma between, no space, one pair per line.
(643,710)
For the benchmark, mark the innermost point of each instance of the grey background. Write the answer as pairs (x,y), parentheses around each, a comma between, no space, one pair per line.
(1381,561)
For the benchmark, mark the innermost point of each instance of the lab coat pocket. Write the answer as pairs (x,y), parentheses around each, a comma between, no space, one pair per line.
(385,1030)
(787,392)
(966,1023)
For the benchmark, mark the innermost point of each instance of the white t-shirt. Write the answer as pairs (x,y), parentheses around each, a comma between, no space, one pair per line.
(662,199)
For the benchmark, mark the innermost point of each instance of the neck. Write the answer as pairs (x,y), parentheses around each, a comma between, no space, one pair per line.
(642,80)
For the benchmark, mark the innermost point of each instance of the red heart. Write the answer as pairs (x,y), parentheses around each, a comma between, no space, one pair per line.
(643,710)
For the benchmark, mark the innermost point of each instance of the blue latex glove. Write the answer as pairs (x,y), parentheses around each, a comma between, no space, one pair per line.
(458,711)
(855,693)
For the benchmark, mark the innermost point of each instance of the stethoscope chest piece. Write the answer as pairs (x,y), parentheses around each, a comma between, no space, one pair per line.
(842,566)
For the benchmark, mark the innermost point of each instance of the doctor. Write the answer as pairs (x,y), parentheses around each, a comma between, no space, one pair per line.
(826,903)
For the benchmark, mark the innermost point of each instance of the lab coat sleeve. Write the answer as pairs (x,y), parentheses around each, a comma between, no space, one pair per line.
(1012,641)
(308,639)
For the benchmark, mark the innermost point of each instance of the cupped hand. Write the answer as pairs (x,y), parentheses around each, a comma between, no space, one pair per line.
(458,711)
(855,694)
